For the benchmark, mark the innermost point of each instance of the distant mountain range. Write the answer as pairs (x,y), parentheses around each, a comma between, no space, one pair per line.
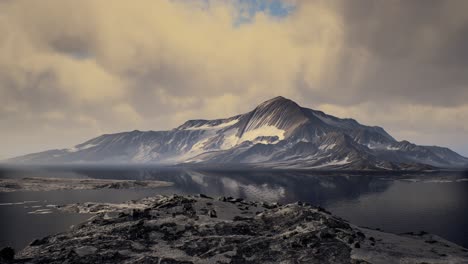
(276,134)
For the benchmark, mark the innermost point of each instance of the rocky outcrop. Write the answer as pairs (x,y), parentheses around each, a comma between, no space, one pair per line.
(200,229)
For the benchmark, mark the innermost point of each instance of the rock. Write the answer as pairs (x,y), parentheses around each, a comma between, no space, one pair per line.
(137,246)
(241,218)
(167,229)
(235,200)
(201,195)
(212,213)
(111,215)
(204,211)
(85,250)
(7,254)
(360,234)
(321,209)
(422,233)
(269,205)
(325,234)
(38,242)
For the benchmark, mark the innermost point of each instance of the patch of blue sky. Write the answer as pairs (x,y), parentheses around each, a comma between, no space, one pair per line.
(275,8)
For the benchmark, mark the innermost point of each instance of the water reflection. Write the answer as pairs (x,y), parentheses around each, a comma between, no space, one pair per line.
(273,186)
(433,202)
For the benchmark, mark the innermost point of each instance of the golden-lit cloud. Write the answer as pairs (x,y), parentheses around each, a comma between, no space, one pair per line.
(74,69)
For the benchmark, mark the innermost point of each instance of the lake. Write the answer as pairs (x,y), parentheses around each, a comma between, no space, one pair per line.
(394,202)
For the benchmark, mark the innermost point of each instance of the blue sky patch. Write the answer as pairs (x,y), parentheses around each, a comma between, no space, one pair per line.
(275,8)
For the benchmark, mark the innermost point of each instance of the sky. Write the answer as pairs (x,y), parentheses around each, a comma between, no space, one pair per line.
(73,70)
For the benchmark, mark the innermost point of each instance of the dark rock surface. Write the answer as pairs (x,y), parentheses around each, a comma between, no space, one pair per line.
(200,229)
(7,254)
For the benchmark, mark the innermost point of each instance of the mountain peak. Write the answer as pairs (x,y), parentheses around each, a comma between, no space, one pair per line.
(279,102)
(277,99)
(278,112)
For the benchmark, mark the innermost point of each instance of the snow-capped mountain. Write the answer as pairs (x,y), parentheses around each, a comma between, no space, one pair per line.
(276,134)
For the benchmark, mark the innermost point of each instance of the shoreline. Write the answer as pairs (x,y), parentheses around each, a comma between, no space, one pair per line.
(53,184)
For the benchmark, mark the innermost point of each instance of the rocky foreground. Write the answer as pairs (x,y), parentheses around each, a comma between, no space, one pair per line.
(189,229)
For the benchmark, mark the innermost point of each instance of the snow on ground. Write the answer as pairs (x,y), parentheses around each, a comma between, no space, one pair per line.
(327,147)
(230,139)
(198,147)
(144,153)
(374,145)
(222,125)
(392,148)
(75,148)
(264,131)
(333,163)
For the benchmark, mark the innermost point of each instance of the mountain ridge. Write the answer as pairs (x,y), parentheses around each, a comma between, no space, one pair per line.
(278,133)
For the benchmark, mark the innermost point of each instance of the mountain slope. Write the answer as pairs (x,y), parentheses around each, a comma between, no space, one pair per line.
(276,134)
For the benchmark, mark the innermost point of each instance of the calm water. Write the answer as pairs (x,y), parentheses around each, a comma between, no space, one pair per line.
(436,203)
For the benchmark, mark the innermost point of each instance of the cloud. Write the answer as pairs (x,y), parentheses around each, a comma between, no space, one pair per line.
(153,64)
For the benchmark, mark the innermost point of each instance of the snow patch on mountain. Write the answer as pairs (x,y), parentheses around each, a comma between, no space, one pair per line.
(144,154)
(334,163)
(327,147)
(392,148)
(381,146)
(76,148)
(230,139)
(264,131)
(217,127)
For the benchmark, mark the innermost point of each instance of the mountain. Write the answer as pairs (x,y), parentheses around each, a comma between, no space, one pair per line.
(276,134)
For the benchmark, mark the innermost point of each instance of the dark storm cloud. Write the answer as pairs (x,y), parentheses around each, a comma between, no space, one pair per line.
(407,51)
